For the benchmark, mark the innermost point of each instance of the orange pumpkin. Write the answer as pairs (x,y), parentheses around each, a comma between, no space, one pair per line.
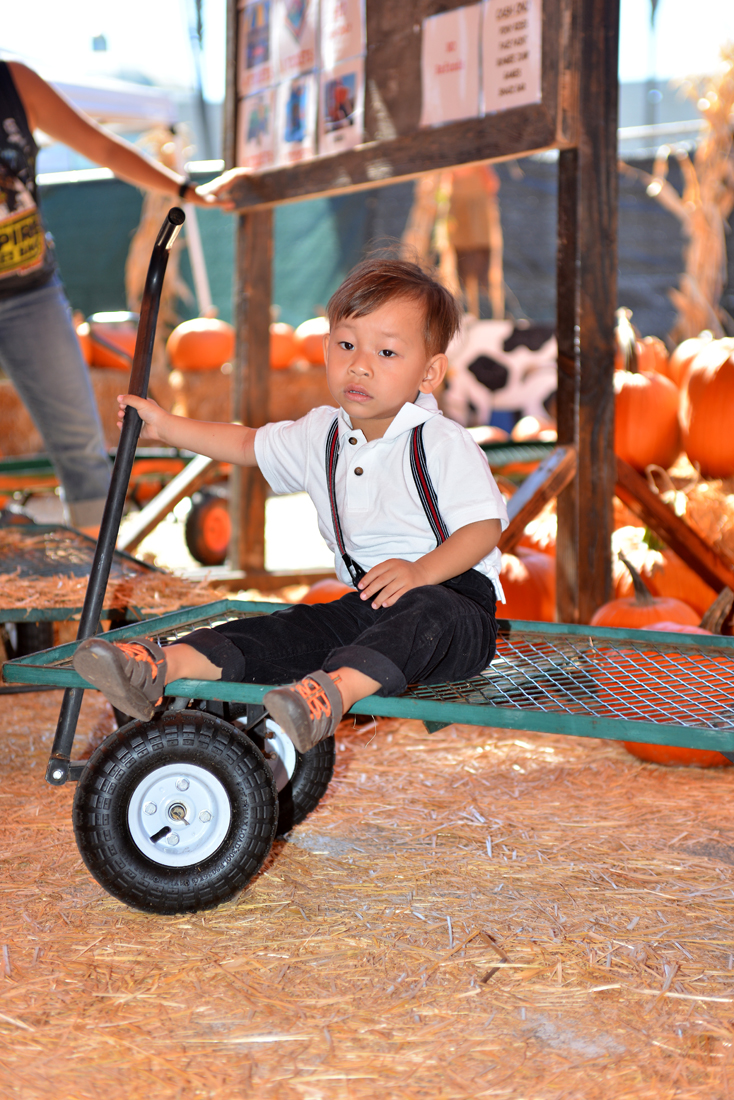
(652,355)
(677,754)
(642,609)
(283,346)
(540,534)
(531,428)
(325,591)
(645,419)
(529,582)
(663,572)
(706,409)
(682,357)
(204,343)
(310,340)
(111,339)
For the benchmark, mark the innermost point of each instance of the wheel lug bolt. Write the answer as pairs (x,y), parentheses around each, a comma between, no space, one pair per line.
(172,839)
(182,784)
(205,816)
(150,808)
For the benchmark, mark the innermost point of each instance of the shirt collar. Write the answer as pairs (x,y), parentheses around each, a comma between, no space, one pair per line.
(410,416)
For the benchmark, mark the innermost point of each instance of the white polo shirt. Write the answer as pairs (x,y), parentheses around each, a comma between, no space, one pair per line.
(379,507)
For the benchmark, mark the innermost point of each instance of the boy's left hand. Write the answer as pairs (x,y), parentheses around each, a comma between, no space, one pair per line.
(385,583)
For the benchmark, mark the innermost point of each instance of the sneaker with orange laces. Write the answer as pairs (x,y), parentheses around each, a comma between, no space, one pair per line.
(131,674)
(308,711)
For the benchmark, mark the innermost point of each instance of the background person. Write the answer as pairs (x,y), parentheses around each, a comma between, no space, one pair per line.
(39,349)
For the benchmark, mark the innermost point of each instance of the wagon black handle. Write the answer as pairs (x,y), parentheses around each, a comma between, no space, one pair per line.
(57,771)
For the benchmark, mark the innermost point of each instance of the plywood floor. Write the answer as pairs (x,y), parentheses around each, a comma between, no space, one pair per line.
(470,914)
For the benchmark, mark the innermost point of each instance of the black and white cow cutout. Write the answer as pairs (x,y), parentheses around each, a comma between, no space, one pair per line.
(500,366)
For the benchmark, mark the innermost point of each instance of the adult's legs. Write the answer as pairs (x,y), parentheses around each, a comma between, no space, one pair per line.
(39,351)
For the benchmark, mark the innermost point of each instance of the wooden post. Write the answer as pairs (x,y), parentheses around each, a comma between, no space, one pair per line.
(251,382)
(585,510)
(567,394)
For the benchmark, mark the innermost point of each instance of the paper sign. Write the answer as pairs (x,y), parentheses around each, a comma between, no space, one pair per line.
(296,119)
(342,31)
(256,69)
(295,35)
(341,113)
(511,42)
(450,66)
(256,139)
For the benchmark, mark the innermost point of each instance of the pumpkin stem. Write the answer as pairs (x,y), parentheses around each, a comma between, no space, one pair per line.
(626,339)
(718,612)
(643,597)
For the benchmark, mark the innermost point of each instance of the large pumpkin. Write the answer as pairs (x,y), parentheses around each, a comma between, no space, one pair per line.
(706,409)
(205,343)
(310,340)
(529,582)
(652,355)
(283,345)
(643,609)
(108,339)
(325,591)
(645,419)
(677,754)
(682,357)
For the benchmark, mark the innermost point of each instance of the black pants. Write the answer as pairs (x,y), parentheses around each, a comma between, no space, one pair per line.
(432,634)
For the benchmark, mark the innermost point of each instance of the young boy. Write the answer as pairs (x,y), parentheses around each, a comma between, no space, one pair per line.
(404,497)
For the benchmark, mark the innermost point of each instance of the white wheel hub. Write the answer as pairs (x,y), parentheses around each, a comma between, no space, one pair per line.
(281,755)
(179,815)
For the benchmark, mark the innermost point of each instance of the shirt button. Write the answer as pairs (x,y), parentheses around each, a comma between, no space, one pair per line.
(352,440)
(358,471)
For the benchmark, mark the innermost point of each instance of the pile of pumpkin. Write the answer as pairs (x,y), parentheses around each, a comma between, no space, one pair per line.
(202,344)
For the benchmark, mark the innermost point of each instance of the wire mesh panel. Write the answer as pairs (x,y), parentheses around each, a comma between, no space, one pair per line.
(567,679)
(48,550)
(683,685)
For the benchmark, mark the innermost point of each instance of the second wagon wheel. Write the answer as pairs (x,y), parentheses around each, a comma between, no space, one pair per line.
(176,814)
(208,527)
(301,779)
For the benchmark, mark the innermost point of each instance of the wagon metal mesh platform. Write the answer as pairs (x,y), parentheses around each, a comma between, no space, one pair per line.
(624,685)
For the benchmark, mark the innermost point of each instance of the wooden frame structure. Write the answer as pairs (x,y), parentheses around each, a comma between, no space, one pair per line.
(578,117)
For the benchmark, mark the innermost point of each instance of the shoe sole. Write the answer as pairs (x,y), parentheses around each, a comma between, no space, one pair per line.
(102,670)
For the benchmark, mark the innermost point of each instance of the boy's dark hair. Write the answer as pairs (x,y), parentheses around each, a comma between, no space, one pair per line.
(375,281)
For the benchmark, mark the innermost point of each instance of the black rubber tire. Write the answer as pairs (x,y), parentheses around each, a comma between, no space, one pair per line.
(307,786)
(124,761)
(207,506)
(33,637)
(311,775)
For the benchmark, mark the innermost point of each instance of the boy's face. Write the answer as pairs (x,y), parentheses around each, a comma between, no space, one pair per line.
(375,363)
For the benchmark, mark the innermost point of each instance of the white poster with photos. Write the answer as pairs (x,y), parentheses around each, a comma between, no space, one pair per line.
(512,52)
(342,31)
(255,62)
(450,66)
(296,119)
(295,23)
(256,138)
(341,109)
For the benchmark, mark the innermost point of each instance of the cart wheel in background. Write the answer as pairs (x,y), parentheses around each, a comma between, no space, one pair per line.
(208,527)
(176,814)
(300,778)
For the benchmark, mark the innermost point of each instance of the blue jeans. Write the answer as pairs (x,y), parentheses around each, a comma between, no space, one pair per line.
(40,353)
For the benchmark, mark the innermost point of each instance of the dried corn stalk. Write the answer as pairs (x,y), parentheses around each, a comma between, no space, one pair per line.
(703,208)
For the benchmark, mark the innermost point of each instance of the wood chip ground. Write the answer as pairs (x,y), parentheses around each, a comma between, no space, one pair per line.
(473,913)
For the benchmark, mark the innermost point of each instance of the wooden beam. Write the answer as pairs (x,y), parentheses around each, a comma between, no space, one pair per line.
(634,491)
(597,298)
(542,485)
(229,119)
(511,134)
(248,488)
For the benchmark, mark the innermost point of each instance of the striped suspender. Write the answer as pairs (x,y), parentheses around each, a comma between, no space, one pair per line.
(423,483)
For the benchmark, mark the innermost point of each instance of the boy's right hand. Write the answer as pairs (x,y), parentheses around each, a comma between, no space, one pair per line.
(149,412)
